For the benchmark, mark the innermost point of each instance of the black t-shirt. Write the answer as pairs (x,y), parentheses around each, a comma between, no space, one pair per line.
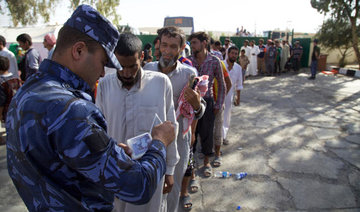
(316,49)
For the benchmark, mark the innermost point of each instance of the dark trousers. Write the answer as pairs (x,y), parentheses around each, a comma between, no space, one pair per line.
(314,64)
(270,66)
(277,67)
(205,128)
(296,64)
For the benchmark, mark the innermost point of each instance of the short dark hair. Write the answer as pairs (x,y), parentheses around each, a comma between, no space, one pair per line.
(172,31)
(4,63)
(262,40)
(147,46)
(2,40)
(128,45)
(212,41)
(24,37)
(68,36)
(217,43)
(242,50)
(201,36)
(232,48)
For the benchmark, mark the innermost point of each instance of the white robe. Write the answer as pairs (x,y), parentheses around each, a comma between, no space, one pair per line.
(237,84)
(285,54)
(252,67)
(179,78)
(131,112)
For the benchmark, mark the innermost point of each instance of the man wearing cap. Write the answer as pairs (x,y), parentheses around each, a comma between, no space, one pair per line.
(314,60)
(59,155)
(49,43)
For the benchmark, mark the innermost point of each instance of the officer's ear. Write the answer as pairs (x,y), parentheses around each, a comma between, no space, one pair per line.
(78,50)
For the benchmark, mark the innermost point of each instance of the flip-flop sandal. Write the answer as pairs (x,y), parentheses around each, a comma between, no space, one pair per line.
(185,201)
(207,171)
(194,186)
(217,161)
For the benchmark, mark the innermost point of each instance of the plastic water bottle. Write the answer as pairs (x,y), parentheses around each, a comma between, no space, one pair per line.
(240,176)
(221,174)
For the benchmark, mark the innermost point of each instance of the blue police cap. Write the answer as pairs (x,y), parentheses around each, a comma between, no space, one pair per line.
(89,21)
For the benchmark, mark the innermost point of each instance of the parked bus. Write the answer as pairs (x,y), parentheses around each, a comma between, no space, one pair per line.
(184,23)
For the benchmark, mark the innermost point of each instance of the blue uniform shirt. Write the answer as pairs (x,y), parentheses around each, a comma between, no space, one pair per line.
(59,155)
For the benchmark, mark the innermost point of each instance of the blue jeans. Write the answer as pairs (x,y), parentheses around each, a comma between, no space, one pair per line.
(313,67)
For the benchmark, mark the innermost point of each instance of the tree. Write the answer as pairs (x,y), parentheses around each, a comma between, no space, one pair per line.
(106,7)
(27,12)
(336,35)
(340,9)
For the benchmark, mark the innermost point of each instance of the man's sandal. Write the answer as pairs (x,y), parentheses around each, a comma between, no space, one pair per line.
(217,161)
(194,186)
(207,171)
(185,201)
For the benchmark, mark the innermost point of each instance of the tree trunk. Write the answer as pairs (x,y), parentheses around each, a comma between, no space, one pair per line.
(355,39)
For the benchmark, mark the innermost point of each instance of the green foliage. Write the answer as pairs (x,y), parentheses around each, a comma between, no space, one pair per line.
(27,12)
(343,10)
(335,34)
(337,8)
(106,7)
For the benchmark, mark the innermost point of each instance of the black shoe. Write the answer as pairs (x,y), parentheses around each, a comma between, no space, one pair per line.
(311,78)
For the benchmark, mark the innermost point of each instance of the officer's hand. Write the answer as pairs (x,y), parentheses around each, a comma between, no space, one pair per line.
(126,148)
(164,132)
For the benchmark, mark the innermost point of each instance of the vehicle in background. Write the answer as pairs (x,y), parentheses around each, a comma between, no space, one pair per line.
(186,24)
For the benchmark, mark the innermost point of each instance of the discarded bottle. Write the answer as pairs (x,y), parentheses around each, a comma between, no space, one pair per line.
(221,174)
(240,176)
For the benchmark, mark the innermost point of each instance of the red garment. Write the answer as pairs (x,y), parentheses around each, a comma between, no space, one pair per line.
(8,86)
(185,109)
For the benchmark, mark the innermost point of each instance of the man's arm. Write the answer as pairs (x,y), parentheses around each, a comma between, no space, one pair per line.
(226,77)
(218,74)
(81,141)
(172,156)
(228,84)
(13,66)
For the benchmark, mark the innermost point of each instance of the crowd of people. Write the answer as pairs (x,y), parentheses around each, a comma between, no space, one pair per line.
(270,59)
(67,131)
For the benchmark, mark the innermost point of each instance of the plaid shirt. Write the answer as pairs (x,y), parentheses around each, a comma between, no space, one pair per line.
(212,67)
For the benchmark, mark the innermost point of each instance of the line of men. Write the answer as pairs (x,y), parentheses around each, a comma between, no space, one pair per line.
(67,150)
(270,59)
(225,77)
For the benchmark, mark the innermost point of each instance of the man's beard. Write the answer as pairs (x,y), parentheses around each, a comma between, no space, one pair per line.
(232,60)
(165,63)
(129,82)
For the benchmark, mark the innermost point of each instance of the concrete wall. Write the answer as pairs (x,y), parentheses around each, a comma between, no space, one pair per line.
(334,56)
